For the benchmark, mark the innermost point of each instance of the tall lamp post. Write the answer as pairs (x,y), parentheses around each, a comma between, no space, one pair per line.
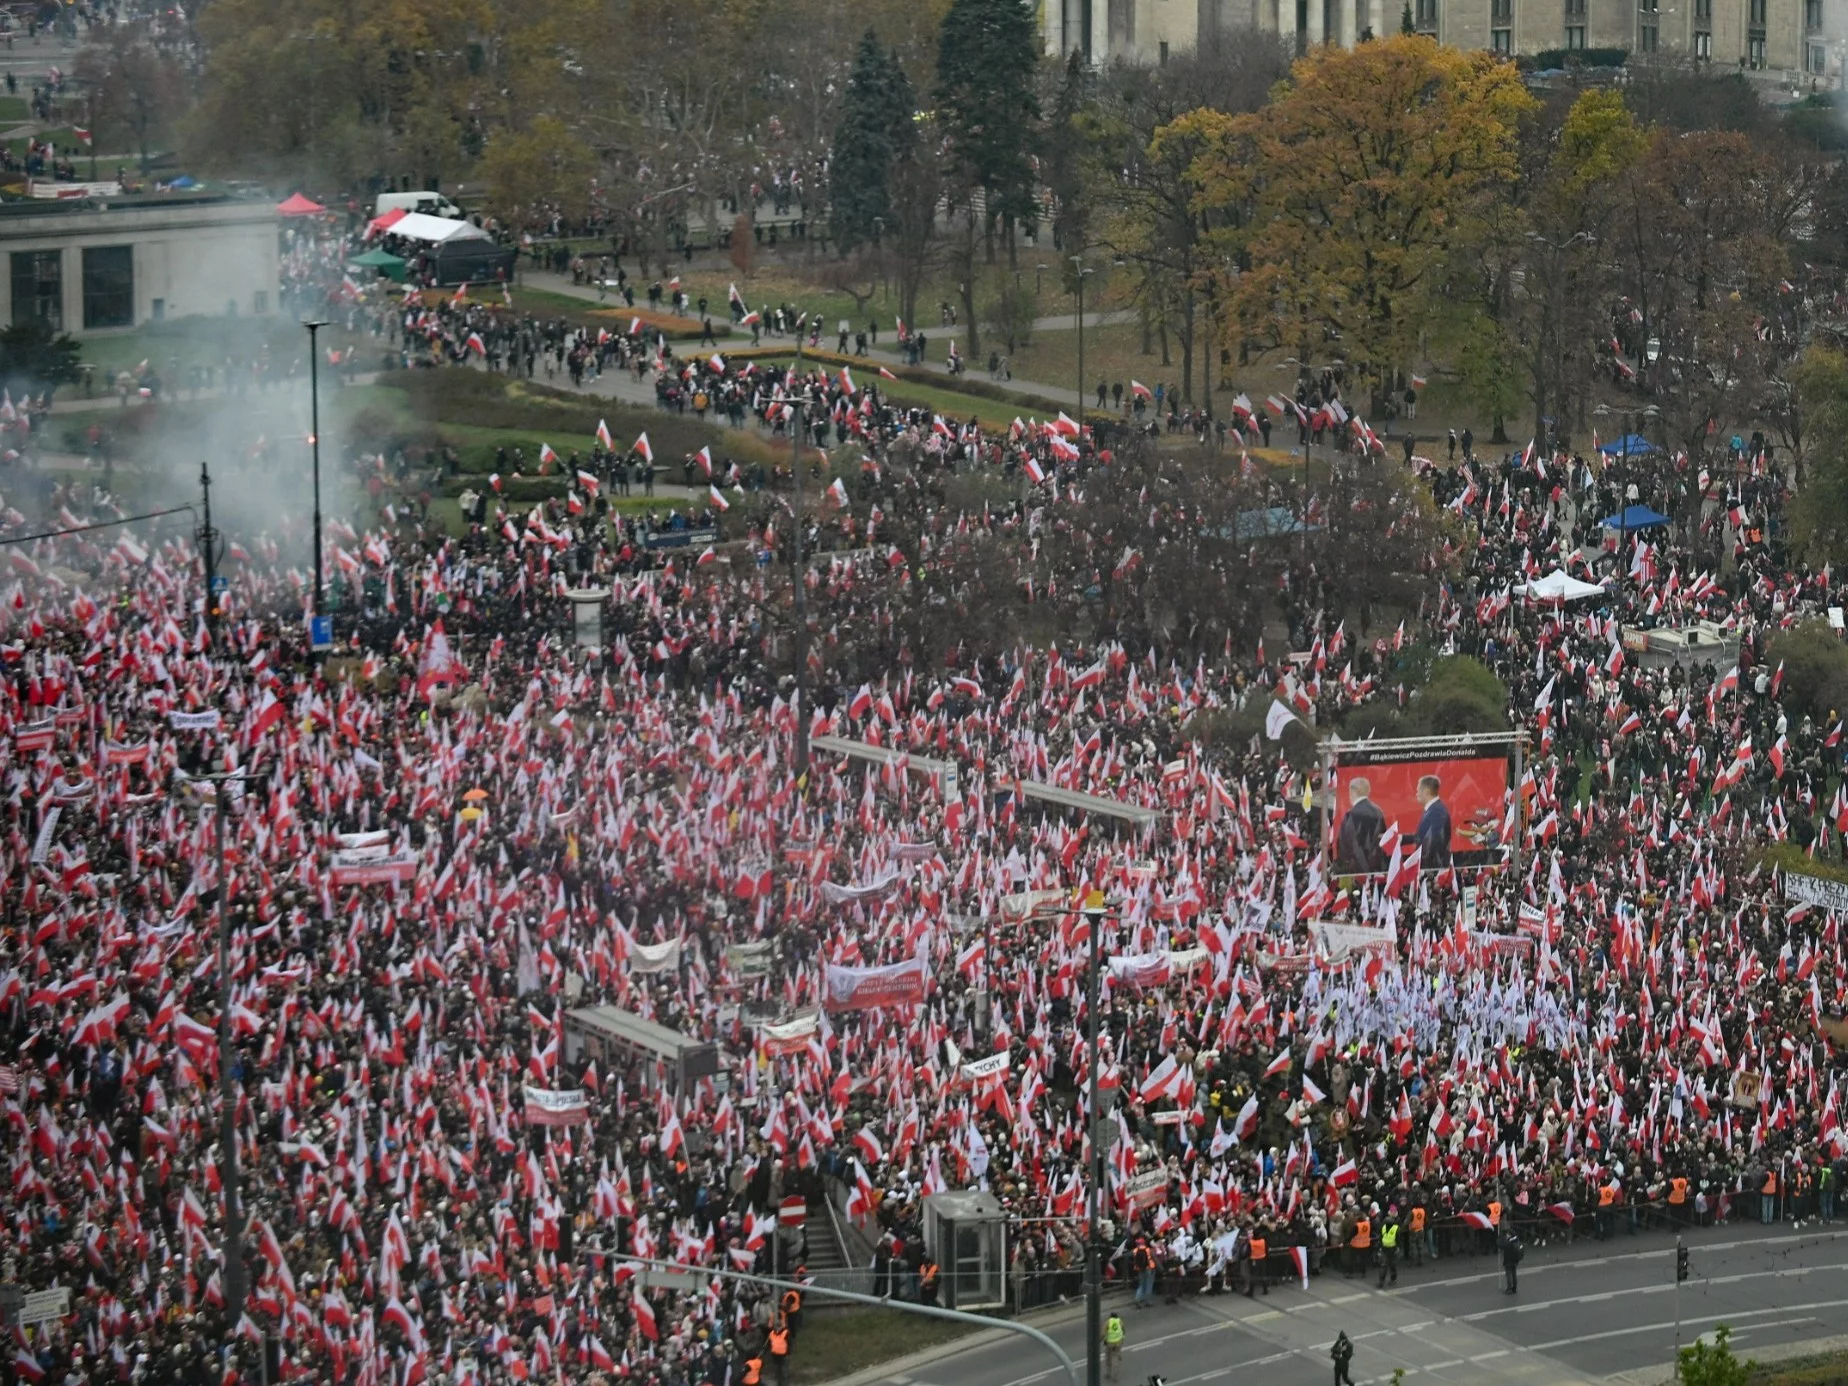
(208,549)
(1095,913)
(797,422)
(233,1251)
(314,327)
(1080,271)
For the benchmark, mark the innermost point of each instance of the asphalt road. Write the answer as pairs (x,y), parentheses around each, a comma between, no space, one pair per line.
(1584,1313)
(31,59)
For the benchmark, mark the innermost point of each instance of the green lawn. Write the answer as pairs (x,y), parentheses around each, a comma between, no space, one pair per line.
(835,1343)
(793,278)
(62,138)
(14,110)
(480,413)
(172,347)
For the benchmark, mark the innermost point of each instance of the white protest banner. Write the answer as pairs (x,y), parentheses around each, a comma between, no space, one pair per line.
(853,894)
(1336,941)
(1187,959)
(115,753)
(550,1107)
(790,1036)
(41,846)
(359,856)
(397,868)
(868,988)
(654,957)
(1023,903)
(991,1067)
(747,960)
(1816,892)
(915,851)
(44,1306)
(353,841)
(1147,1189)
(1142,969)
(193,721)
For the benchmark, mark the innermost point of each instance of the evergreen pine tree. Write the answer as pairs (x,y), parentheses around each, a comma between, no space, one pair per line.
(1405,19)
(1065,154)
(986,104)
(860,164)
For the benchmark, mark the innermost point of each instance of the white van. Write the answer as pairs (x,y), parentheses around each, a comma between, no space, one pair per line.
(430,203)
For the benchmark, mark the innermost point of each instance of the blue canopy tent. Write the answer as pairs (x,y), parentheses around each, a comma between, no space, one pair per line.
(1634,517)
(1630,445)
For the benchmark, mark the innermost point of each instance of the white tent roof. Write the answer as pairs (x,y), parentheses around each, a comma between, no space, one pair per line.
(1560,586)
(420,226)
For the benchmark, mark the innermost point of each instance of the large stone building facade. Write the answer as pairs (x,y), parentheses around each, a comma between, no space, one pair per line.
(1803,40)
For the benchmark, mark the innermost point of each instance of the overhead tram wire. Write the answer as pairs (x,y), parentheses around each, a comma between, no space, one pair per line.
(100,524)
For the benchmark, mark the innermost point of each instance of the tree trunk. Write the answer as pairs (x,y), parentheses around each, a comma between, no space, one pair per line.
(1143,315)
(968,280)
(1208,359)
(1187,346)
(1166,359)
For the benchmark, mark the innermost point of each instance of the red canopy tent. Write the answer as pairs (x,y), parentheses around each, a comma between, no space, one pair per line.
(385,221)
(299,206)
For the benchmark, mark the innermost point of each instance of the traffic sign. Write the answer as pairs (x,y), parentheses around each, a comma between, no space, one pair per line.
(220,584)
(668,1280)
(320,633)
(793,1212)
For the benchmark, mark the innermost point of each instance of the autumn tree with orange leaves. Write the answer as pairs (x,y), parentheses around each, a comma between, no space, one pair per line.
(1336,206)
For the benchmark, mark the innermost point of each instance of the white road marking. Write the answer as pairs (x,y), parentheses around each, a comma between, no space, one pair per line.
(1668,1326)
(1789,1273)
(1774,1323)
(1578,1263)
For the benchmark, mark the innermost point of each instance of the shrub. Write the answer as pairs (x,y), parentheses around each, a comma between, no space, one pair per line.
(1815,668)
(1787,856)
(1713,1364)
(1461,695)
(1450,696)
(1553,59)
(528,414)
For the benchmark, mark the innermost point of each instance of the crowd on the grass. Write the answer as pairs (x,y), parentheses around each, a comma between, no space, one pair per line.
(461,825)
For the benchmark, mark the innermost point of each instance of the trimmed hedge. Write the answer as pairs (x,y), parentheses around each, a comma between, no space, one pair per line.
(916,375)
(529,414)
(1548,59)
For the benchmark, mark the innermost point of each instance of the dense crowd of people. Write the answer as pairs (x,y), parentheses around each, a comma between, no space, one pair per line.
(460,825)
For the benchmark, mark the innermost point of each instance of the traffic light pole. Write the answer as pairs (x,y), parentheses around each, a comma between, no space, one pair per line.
(1093,1251)
(1681,1274)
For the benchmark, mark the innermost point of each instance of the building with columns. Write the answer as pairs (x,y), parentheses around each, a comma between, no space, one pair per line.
(1804,39)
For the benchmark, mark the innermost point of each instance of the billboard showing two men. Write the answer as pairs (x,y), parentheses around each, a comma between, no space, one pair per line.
(1450,809)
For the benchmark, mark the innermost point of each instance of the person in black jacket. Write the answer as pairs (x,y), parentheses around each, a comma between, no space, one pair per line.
(1357,847)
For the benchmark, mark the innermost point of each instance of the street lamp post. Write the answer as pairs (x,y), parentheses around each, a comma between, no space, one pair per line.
(233,1251)
(1095,913)
(208,548)
(797,421)
(314,327)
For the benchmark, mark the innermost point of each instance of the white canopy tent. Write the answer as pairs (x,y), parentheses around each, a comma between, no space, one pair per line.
(1559,586)
(420,226)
